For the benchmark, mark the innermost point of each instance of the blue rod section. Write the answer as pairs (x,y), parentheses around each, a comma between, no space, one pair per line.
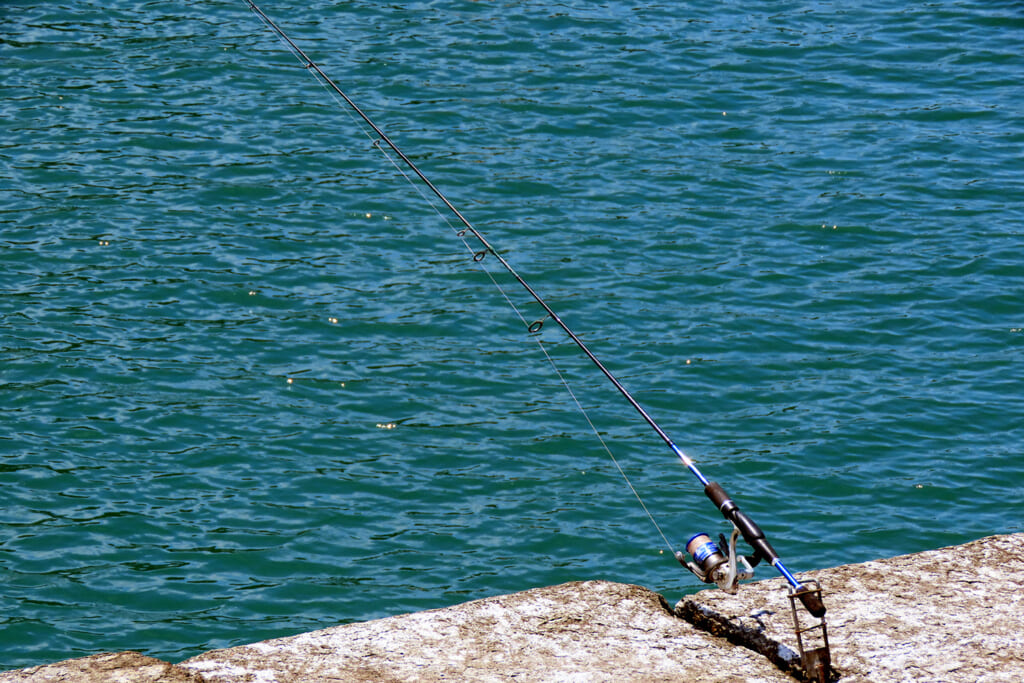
(777,563)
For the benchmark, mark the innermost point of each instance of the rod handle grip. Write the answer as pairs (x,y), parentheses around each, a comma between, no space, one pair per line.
(716,493)
(751,532)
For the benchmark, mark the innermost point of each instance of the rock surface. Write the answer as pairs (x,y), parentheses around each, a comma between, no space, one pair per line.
(948,615)
(109,667)
(587,631)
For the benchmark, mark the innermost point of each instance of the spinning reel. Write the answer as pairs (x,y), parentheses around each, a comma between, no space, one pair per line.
(711,565)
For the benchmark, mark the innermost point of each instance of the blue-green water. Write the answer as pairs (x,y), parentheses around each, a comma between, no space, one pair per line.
(252,385)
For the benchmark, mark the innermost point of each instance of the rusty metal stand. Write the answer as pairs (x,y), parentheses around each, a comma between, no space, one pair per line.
(817,661)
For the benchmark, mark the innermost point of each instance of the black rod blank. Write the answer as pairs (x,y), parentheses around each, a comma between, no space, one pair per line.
(752,533)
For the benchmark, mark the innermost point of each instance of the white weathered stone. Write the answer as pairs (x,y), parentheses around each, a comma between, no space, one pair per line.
(586,632)
(945,616)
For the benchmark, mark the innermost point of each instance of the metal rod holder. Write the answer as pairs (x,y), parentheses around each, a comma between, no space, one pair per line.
(816,661)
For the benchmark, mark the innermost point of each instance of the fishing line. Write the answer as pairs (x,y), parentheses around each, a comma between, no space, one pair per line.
(479,256)
(711,564)
(540,344)
(481,263)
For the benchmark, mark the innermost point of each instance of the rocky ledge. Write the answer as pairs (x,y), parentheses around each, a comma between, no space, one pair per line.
(954,614)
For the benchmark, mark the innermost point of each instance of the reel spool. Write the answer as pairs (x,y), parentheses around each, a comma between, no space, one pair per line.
(711,565)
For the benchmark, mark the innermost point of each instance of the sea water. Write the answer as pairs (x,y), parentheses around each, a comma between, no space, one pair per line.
(253,384)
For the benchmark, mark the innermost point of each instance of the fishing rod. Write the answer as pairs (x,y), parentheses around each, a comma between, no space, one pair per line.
(713,563)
